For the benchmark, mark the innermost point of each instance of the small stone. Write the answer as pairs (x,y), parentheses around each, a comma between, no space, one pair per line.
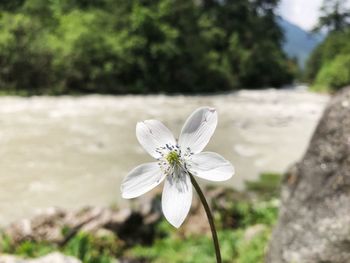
(50,258)
(345,103)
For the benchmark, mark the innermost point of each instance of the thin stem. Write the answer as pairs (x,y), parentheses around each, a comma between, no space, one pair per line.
(210,218)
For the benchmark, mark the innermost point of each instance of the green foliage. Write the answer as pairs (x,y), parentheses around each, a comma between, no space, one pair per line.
(196,249)
(336,74)
(247,213)
(90,249)
(199,249)
(104,46)
(267,186)
(87,248)
(235,247)
(253,250)
(30,249)
(334,15)
(327,67)
(22,64)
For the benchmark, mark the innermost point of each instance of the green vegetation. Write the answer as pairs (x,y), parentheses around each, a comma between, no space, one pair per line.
(88,248)
(334,15)
(328,67)
(236,215)
(266,187)
(199,249)
(106,46)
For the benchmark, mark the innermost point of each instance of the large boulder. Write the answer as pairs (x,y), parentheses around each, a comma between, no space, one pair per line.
(314,220)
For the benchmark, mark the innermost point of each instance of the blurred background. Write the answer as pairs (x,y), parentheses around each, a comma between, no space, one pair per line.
(120,47)
(76,76)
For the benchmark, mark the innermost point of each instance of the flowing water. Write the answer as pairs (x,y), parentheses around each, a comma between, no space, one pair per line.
(74,151)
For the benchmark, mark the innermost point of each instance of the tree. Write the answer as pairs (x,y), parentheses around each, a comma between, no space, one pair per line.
(334,16)
(140,46)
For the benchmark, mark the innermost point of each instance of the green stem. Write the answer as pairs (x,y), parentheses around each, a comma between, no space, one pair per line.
(210,219)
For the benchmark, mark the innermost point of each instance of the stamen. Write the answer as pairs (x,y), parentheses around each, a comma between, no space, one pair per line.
(172,160)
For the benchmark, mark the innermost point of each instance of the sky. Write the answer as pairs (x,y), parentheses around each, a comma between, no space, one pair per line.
(303,13)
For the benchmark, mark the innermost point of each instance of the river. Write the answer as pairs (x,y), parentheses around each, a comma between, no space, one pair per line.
(74,151)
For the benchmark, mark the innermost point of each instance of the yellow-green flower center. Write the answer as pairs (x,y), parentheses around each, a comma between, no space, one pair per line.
(173,158)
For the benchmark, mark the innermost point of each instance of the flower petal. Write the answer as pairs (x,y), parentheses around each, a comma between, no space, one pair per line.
(198,129)
(141,179)
(152,134)
(177,198)
(210,166)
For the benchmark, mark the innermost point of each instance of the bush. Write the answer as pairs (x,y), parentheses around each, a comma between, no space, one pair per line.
(328,66)
(335,74)
(24,63)
(87,248)
(266,187)
(254,250)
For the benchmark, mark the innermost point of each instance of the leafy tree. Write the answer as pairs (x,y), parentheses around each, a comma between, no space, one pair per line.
(11,5)
(334,15)
(140,46)
(327,67)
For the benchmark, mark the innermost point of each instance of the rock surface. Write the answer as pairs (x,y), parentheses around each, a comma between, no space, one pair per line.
(314,221)
(57,225)
(50,258)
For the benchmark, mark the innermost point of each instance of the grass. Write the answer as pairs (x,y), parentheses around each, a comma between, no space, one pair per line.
(88,248)
(266,187)
(321,89)
(199,249)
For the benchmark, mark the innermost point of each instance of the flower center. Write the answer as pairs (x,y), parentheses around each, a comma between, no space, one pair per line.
(173,158)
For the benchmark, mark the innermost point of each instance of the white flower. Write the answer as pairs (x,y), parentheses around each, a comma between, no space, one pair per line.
(175,160)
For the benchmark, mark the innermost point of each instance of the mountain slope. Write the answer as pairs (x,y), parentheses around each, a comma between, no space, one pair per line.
(298,42)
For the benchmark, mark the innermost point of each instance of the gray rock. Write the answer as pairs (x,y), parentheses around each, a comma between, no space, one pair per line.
(50,258)
(48,226)
(44,227)
(314,220)
(131,226)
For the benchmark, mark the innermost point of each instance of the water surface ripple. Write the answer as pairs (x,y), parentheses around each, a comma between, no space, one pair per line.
(74,151)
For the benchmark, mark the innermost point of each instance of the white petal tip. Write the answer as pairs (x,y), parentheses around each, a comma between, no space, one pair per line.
(211,166)
(232,172)
(176,200)
(139,124)
(174,224)
(126,195)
